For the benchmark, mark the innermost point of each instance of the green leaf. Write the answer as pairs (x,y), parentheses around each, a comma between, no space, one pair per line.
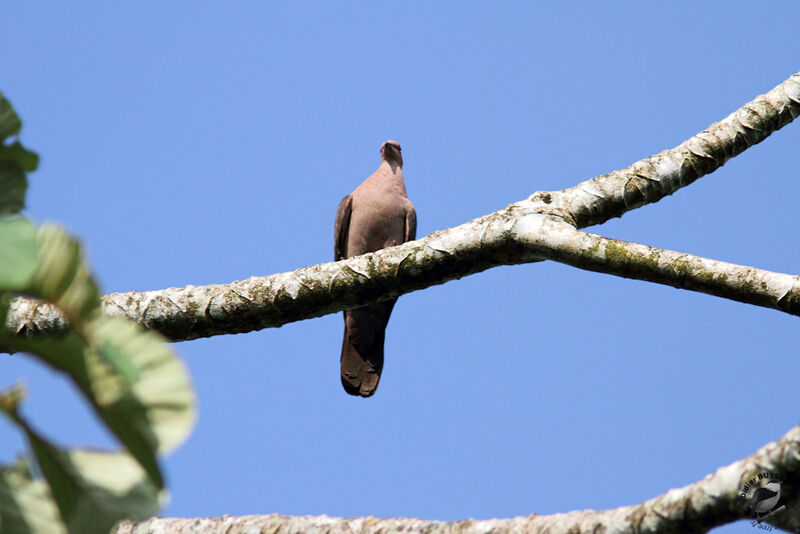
(26,506)
(149,406)
(26,159)
(18,254)
(62,276)
(5,304)
(162,385)
(138,388)
(107,392)
(118,489)
(92,490)
(13,186)
(14,161)
(10,124)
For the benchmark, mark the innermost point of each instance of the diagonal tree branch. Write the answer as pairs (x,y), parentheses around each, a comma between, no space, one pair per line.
(540,227)
(597,200)
(711,502)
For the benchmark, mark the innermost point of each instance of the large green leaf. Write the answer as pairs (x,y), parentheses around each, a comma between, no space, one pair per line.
(92,490)
(137,386)
(18,254)
(152,409)
(160,381)
(107,392)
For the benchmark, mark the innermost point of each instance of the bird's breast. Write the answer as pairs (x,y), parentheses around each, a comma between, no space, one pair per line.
(377,223)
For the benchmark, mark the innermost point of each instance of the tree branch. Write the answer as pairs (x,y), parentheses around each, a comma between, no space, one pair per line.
(517,234)
(711,502)
(684,271)
(651,179)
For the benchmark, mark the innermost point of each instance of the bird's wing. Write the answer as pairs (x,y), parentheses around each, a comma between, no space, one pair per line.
(411,224)
(341,228)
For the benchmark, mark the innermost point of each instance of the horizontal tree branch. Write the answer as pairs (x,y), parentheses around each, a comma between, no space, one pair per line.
(518,234)
(271,301)
(711,502)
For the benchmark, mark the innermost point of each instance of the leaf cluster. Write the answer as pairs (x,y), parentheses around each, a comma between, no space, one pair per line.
(136,385)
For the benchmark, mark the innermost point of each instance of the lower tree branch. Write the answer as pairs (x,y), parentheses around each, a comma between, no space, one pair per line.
(711,502)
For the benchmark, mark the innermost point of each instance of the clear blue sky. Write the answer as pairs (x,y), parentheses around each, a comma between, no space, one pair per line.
(203,142)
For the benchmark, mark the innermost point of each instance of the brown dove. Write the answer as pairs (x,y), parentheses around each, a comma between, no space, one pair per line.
(376,215)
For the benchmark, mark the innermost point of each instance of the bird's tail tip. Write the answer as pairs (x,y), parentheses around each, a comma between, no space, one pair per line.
(360,387)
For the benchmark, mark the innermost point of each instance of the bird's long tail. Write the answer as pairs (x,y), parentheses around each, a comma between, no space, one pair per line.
(362,347)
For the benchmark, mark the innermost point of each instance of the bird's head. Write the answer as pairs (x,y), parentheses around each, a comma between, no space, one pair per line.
(391,152)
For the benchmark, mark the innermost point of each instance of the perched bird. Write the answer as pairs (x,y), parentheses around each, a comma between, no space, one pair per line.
(376,215)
